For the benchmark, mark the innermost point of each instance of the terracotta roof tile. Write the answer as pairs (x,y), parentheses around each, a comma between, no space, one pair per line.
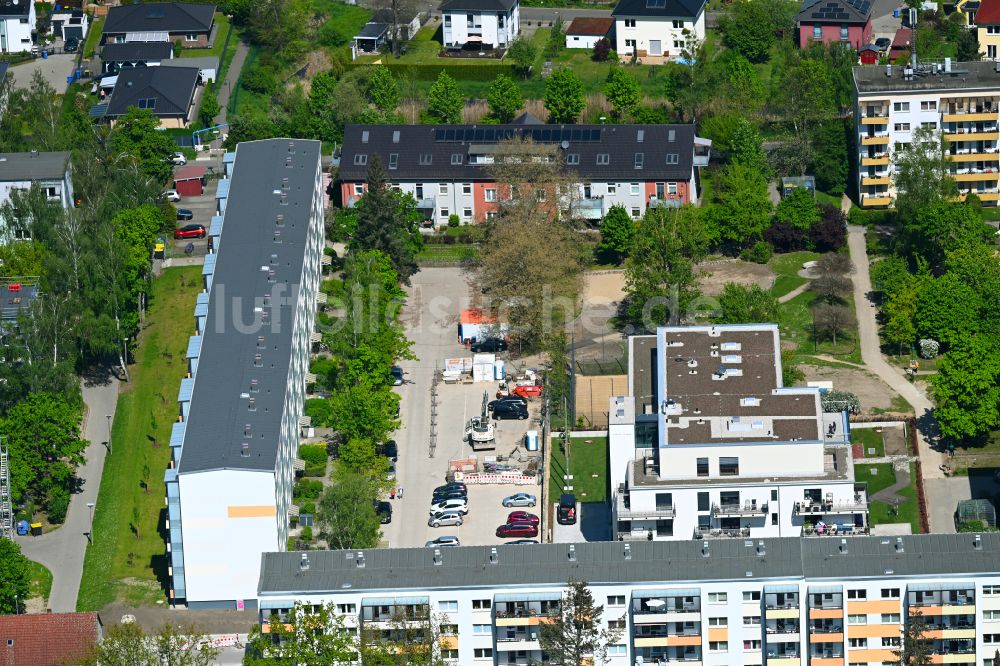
(586,25)
(47,639)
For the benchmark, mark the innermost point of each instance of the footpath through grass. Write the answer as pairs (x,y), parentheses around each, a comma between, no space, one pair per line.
(127,560)
(588,457)
(881,513)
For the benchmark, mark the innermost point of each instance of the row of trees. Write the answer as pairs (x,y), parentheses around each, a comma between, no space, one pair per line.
(93,267)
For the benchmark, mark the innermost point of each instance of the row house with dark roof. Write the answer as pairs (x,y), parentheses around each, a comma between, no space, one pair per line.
(446,168)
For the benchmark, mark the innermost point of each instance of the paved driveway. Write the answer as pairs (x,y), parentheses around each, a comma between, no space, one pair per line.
(943,496)
(54,69)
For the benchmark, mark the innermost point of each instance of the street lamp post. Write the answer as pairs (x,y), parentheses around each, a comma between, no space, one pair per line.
(90,534)
(108,416)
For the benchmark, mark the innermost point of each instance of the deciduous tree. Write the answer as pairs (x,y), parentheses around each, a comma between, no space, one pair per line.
(15,578)
(832,320)
(346,514)
(564,96)
(577,635)
(504,99)
(136,138)
(622,92)
(742,207)
(830,232)
(947,309)
(746,304)
(617,231)
(921,174)
(747,147)
(522,53)
(798,209)
(383,91)
(444,101)
(943,227)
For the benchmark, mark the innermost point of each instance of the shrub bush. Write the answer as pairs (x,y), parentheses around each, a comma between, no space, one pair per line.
(308,508)
(307,533)
(759,253)
(307,489)
(313,454)
(58,505)
(453,220)
(258,80)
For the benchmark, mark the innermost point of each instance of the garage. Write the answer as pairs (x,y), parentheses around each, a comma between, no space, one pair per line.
(189,181)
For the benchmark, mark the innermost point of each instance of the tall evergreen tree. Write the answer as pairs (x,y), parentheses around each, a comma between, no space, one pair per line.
(575,636)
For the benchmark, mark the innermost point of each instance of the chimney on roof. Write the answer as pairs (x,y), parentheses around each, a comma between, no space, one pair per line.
(493,556)
(572,553)
(843,547)
(760,549)
(437,557)
(360,560)
(628,552)
(977,543)
(899,545)
(704,549)
(304,562)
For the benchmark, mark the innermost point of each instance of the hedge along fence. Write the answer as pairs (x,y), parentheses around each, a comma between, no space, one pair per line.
(455,69)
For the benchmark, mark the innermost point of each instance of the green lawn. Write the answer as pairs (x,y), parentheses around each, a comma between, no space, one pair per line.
(41,582)
(882,512)
(222,27)
(123,564)
(93,37)
(796,322)
(824,198)
(588,465)
(790,263)
(869,439)
(448,253)
(784,284)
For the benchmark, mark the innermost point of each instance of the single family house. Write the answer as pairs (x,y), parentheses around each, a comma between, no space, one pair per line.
(988,28)
(657,30)
(484,24)
(190,25)
(585,31)
(168,92)
(17,25)
(833,21)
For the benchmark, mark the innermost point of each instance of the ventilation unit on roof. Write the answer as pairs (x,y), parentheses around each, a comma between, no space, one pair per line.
(304,562)
(899,545)
(245,450)
(977,543)
(360,560)
(437,557)
(493,556)
(731,346)
(572,553)
(749,402)
(628,552)
(843,546)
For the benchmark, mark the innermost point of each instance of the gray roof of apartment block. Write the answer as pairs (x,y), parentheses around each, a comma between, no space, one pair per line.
(637,562)
(428,152)
(963,77)
(220,420)
(33,166)
(159,17)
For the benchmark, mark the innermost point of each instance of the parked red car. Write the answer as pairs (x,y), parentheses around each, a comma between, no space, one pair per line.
(517,531)
(530,391)
(190,231)
(522,517)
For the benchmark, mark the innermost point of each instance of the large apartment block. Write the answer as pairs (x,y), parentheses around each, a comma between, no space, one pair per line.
(234,445)
(960,100)
(779,602)
(710,444)
(447,167)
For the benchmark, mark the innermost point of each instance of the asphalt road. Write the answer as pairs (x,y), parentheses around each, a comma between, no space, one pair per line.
(430,316)
(61,551)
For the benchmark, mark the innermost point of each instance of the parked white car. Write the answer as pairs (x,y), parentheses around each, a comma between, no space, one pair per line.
(172,195)
(179,159)
(455,504)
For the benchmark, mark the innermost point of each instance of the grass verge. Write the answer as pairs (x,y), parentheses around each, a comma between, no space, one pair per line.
(41,582)
(869,439)
(221,29)
(93,37)
(790,263)
(795,318)
(785,284)
(447,253)
(127,560)
(588,464)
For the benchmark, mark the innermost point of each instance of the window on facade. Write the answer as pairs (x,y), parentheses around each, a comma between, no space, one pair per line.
(673,158)
(447,20)
(467,213)
(51,192)
(481,629)
(456,158)
(664,501)
(858,642)
(774,519)
(678,43)
(718,622)
(751,596)
(633,188)
(360,159)
(616,600)
(703,503)
(629,23)
(573,158)
(636,212)
(859,618)
(729,466)
(928,106)
(612,188)
(902,107)
(191,38)
(445,213)
(751,620)
(442,188)
(491,194)
(540,195)
(890,593)
(393,160)
(718,646)
(678,25)
(449,653)
(426,159)
(617,650)
(701,466)
(890,641)
(482,604)
(991,614)
(718,597)
(629,43)
(483,653)
(671,188)
(751,646)
(603,159)
(991,53)
(857,594)
(448,606)
(902,127)
(346,609)
(843,32)
(890,618)
(991,590)
(991,638)
(466,188)
(817,31)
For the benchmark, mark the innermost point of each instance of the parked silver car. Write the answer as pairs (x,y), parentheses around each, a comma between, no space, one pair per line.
(445,519)
(519,499)
(443,541)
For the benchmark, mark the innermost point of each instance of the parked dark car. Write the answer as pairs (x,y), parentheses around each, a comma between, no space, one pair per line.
(883,44)
(384,511)
(510,410)
(516,399)
(522,517)
(71,45)
(517,531)
(190,231)
(390,450)
(489,345)
(454,485)
(448,494)
(397,375)
(566,513)
(185,214)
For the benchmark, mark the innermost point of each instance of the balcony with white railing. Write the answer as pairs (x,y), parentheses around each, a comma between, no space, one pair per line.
(627,512)
(748,508)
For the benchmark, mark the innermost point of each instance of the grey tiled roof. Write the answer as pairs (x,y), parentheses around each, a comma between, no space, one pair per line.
(426,152)
(33,166)
(134,51)
(477,5)
(226,366)
(168,89)
(159,17)
(650,562)
(660,8)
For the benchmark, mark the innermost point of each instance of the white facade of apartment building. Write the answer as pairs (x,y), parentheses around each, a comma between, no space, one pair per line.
(959,101)
(493,23)
(785,602)
(234,447)
(17,22)
(715,446)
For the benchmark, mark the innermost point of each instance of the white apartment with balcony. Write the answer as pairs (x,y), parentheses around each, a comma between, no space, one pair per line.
(960,100)
(485,23)
(234,445)
(710,444)
(738,602)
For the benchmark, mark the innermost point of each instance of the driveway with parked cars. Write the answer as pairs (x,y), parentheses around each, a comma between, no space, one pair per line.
(194,212)
(430,315)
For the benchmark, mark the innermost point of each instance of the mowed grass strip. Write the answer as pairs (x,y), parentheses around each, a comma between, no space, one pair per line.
(588,460)
(127,561)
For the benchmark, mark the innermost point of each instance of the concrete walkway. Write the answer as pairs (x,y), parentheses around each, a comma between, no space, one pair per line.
(229,83)
(891,494)
(61,551)
(871,354)
(793,293)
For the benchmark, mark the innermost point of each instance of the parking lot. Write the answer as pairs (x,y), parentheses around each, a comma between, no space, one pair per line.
(430,315)
(203,207)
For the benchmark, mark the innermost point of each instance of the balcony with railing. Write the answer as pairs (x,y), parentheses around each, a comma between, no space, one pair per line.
(969,109)
(624,510)
(691,656)
(876,200)
(526,612)
(402,611)
(875,139)
(923,596)
(747,508)
(960,132)
(515,640)
(878,158)
(660,607)
(815,507)
(588,208)
(978,172)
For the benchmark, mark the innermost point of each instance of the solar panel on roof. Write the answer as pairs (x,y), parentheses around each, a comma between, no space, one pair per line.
(449,135)
(439,135)
(478,135)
